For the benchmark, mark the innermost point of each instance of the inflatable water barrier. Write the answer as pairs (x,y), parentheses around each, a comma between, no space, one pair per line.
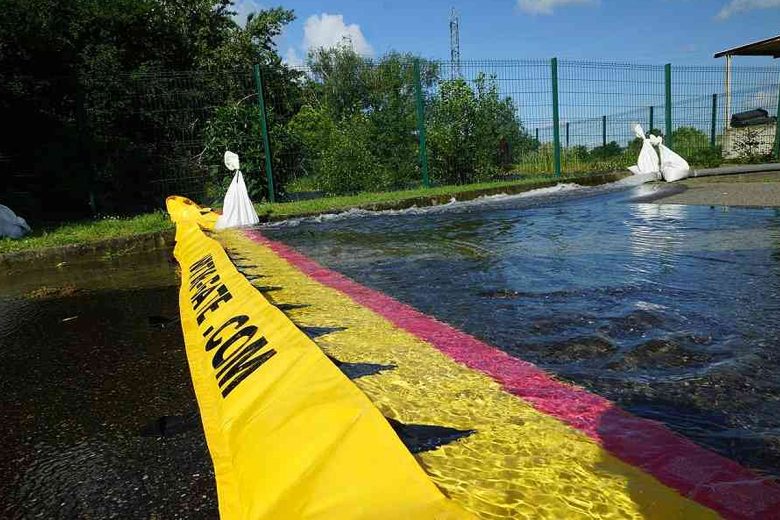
(530,446)
(290,436)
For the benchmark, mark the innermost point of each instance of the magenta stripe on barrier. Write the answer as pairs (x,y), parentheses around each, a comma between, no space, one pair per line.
(696,472)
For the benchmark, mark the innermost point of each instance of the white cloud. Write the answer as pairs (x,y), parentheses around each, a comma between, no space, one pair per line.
(548,6)
(293,59)
(739,6)
(243,8)
(329,30)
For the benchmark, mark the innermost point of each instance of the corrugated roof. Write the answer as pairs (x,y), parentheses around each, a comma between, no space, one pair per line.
(768,47)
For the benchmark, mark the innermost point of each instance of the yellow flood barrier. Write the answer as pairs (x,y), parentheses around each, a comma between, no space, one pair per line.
(519,463)
(290,436)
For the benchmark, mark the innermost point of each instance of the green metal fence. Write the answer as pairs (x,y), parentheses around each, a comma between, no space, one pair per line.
(158,133)
(345,124)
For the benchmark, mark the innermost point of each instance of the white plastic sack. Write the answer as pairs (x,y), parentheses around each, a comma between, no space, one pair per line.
(11,225)
(648,159)
(232,162)
(237,209)
(673,167)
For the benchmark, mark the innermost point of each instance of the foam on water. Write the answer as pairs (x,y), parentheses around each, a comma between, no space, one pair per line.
(479,202)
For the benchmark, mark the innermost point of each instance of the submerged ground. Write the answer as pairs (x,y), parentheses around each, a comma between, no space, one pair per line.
(669,310)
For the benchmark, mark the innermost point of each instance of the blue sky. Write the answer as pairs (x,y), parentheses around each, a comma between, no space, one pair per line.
(659,31)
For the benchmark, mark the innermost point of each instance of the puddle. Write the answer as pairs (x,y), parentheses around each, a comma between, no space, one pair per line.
(93,355)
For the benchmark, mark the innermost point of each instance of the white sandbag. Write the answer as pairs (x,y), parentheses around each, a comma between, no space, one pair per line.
(12,225)
(237,209)
(673,167)
(231,161)
(648,158)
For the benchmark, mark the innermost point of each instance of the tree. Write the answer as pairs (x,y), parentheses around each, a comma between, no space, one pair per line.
(358,125)
(451,132)
(474,131)
(98,107)
(235,125)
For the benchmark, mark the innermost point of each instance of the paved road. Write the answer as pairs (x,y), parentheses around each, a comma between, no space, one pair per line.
(751,189)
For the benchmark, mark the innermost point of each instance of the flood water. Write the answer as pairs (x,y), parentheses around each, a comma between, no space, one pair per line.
(93,358)
(670,311)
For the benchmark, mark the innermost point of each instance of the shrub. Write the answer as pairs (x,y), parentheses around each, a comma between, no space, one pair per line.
(473,132)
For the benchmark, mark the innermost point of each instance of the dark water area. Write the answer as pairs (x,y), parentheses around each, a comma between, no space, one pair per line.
(670,311)
(99,415)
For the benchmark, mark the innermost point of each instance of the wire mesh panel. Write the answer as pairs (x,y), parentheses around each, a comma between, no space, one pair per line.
(354,129)
(488,120)
(703,107)
(600,102)
(163,139)
(345,123)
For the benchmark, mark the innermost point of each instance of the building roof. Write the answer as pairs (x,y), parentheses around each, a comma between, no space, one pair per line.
(768,47)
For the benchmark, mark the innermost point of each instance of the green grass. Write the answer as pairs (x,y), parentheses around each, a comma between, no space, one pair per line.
(308,183)
(328,204)
(88,232)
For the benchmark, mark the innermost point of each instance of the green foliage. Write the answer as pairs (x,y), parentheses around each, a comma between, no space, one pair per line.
(451,139)
(231,128)
(347,165)
(473,132)
(708,157)
(694,145)
(359,127)
(687,139)
(105,115)
(236,126)
(610,150)
(748,144)
(357,130)
(578,152)
(82,80)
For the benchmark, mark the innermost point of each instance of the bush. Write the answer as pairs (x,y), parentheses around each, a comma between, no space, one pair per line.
(358,130)
(610,150)
(339,154)
(347,165)
(706,157)
(748,146)
(472,133)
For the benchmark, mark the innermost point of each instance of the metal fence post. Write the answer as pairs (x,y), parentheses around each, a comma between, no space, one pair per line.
(422,145)
(556,122)
(264,128)
(777,128)
(652,109)
(567,135)
(668,96)
(536,132)
(714,125)
(604,131)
